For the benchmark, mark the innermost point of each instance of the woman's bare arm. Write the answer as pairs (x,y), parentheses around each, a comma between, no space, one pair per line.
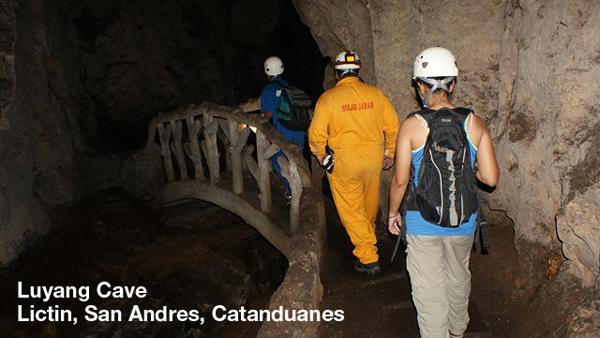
(401,176)
(487,165)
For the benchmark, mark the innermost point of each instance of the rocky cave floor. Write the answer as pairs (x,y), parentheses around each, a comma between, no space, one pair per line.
(189,256)
(509,298)
(195,255)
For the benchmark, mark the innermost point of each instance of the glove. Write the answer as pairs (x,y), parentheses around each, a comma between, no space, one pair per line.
(328,163)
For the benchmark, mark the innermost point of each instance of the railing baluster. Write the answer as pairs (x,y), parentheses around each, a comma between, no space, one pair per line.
(270,151)
(225,137)
(238,141)
(264,166)
(192,148)
(251,163)
(177,147)
(164,134)
(210,147)
(289,171)
(224,125)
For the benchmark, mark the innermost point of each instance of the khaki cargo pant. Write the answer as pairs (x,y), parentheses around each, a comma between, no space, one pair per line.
(441,283)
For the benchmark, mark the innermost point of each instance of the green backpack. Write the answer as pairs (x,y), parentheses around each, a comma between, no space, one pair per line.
(294,109)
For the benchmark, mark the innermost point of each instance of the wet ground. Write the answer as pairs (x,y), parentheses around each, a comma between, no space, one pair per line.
(188,256)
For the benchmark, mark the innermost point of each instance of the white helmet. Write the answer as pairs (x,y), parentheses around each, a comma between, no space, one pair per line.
(347,60)
(273,66)
(437,68)
(435,62)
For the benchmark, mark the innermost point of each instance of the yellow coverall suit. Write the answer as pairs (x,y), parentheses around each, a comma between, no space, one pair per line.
(351,119)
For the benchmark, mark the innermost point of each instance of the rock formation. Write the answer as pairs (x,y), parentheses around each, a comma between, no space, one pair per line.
(76,74)
(80,80)
(37,145)
(528,68)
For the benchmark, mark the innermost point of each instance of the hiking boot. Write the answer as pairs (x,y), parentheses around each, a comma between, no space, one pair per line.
(370,269)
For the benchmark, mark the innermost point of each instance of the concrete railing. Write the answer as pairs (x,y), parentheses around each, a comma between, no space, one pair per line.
(196,141)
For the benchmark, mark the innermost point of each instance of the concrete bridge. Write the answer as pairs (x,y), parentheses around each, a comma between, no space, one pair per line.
(206,155)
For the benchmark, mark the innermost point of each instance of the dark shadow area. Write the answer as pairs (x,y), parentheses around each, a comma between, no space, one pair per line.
(294,44)
(127,61)
(188,256)
(493,275)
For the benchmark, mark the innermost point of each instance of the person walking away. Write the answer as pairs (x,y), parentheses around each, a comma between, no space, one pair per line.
(440,143)
(270,105)
(353,135)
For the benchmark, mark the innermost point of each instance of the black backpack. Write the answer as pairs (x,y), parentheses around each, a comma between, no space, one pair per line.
(294,108)
(445,194)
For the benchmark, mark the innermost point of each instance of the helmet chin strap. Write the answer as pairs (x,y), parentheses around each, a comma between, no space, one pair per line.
(347,71)
(434,84)
(344,72)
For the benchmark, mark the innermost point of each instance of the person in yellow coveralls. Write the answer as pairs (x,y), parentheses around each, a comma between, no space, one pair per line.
(353,134)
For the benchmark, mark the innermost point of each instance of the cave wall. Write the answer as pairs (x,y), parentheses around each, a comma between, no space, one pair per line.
(8,36)
(527,67)
(37,147)
(115,64)
(550,128)
(140,58)
(79,81)
(132,60)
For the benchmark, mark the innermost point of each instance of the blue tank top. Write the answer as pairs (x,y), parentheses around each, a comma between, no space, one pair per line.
(415,224)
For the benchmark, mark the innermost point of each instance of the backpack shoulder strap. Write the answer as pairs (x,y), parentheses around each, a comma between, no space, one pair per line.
(420,116)
(420,113)
(426,115)
(463,110)
(462,113)
(413,114)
